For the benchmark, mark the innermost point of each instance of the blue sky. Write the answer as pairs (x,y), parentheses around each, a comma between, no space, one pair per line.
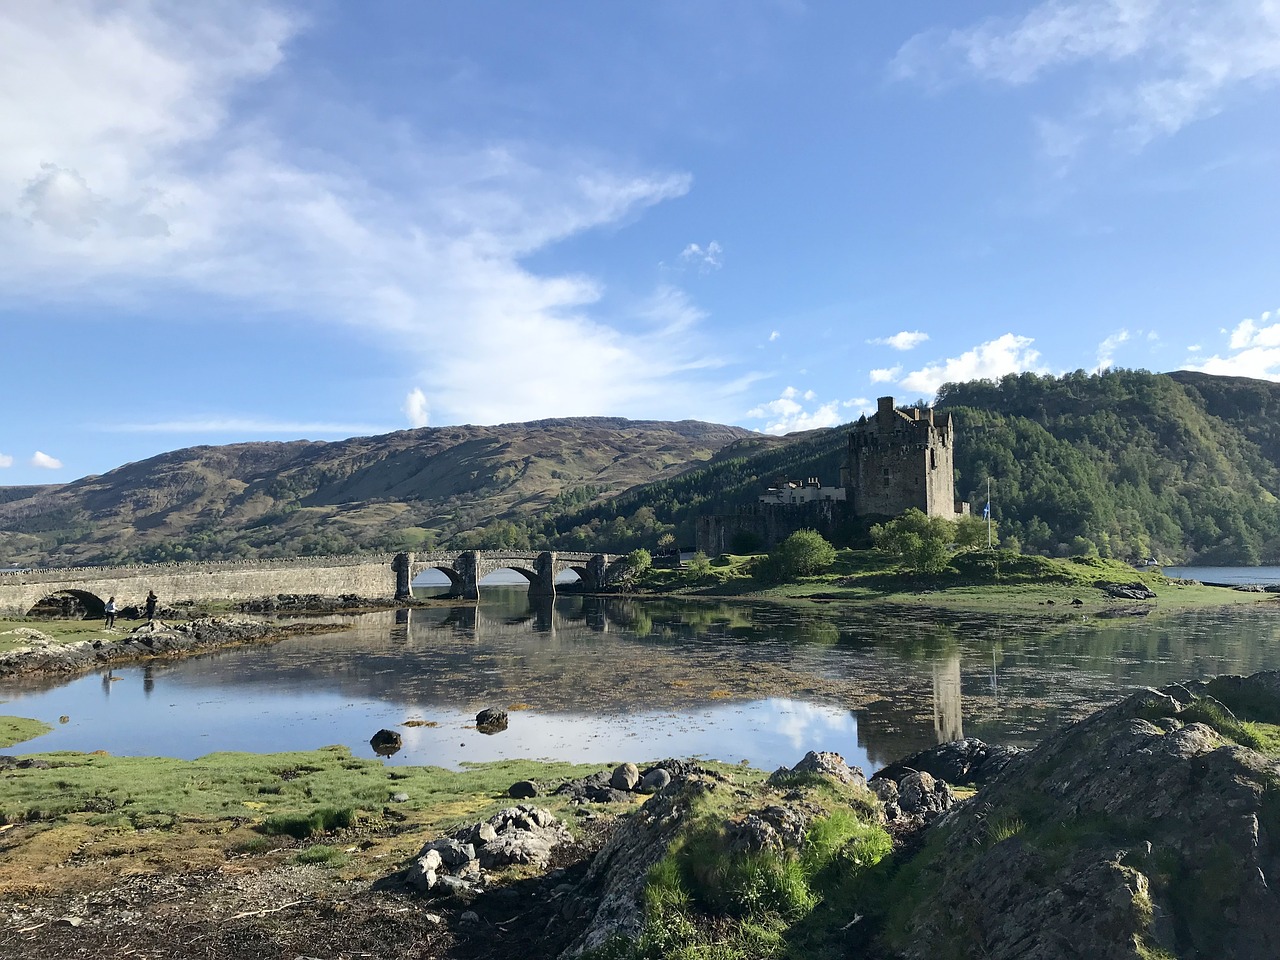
(255,221)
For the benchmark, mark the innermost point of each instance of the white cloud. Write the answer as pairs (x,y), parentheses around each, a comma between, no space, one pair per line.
(1194,348)
(1256,346)
(706,258)
(787,414)
(1107,349)
(1150,66)
(5,461)
(906,340)
(240,425)
(127,169)
(886,374)
(1007,354)
(774,336)
(45,462)
(416,409)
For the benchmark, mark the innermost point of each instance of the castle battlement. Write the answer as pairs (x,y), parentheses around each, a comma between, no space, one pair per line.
(899,459)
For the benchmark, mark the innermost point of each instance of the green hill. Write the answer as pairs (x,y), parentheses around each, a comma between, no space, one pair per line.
(1183,466)
(410,489)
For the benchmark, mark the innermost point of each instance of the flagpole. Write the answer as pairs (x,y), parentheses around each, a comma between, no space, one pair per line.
(988,513)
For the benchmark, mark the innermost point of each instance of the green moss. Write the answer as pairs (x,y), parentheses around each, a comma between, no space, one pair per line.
(15,730)
(243,786)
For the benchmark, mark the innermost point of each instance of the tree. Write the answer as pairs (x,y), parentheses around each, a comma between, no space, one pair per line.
(923,542)
(802,554)
(666,543)
(699,566)
(638,562)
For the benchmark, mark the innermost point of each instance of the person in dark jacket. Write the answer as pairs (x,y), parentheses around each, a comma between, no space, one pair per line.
(151,605)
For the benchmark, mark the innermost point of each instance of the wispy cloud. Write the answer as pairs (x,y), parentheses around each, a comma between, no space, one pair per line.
(1007,354)
(1147,67)
(788,414)
(1254,350)
(135,168)
(706,258)
(1107,349)
(906,340)
(774,336)
(416,409)
(43,461)
(5,461)
(243,425)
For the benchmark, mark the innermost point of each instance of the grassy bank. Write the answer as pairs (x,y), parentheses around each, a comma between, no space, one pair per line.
(14,730)
(977,580)
(91,815)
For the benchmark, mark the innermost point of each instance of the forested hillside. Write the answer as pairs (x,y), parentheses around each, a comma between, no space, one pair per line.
(1132,464)
(1129,463)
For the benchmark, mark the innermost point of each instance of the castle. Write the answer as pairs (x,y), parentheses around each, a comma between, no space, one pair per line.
(895,460)
(899,459)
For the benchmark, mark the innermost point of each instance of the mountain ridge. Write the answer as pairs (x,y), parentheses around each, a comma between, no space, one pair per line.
(1128,463)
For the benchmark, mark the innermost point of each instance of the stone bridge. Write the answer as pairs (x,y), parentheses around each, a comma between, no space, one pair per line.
(368,577)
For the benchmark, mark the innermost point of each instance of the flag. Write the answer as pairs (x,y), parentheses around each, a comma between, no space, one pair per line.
(986,511)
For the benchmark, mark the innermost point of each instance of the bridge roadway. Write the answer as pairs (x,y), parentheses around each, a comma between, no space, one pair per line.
(368,577)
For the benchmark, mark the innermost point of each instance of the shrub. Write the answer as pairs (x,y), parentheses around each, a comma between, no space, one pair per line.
(304,825)
(802,554)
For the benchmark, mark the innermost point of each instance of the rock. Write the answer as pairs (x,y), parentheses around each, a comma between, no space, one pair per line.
(753,834)
(821,762)
(483,833)
(960,762)
(523,834)
(1128,591)
(920,793)
(885,790)
(593,789)
(469,917)
(655,780)
(399,797)
(453,853)
(386,742)
(522,790)
(491,720)
(625,777)
(424,871)
(1140,825)
(619,870)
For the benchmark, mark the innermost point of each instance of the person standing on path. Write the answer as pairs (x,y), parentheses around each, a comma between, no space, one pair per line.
(111,613)
(151,606)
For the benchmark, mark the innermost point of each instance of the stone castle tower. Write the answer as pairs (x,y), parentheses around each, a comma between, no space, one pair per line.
(900,459)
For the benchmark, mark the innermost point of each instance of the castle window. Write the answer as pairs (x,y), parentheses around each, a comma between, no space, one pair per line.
(933,459)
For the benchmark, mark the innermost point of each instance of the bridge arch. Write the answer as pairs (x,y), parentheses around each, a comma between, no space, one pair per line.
(94,606)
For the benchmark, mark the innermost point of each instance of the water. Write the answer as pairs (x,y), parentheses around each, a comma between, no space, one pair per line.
(601,681)
(1231,576)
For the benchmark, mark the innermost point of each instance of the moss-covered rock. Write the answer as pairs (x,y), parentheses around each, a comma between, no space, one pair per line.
(1151,828)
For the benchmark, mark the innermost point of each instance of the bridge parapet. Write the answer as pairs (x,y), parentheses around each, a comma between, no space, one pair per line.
(130,571)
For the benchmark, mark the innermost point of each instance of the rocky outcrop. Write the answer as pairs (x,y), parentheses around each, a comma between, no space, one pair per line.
(1145,830)
(821,763)
(1137,590)
(42,655)
(960,762)
(522,834)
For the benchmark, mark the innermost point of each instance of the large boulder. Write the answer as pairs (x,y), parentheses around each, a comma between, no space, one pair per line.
(824,763)
(1148,829)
